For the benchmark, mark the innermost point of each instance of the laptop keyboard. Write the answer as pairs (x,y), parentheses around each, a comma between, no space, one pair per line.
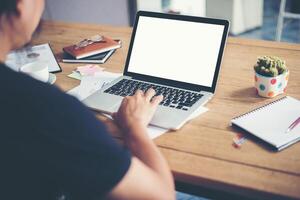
(174,98)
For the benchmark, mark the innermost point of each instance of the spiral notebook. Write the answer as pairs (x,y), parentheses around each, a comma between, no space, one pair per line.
(270,122)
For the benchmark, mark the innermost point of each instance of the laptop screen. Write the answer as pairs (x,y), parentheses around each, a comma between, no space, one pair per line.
(177,50)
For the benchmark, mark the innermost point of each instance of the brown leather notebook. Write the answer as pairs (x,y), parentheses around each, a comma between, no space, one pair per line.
(106,44)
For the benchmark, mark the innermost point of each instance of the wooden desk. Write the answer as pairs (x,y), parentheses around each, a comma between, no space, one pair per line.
(201,153)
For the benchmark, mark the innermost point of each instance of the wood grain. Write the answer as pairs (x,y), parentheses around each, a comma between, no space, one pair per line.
(201,153)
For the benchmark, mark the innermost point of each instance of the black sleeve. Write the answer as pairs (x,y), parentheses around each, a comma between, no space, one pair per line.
(66,140)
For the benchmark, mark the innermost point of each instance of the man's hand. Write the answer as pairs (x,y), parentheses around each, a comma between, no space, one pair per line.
(137,110)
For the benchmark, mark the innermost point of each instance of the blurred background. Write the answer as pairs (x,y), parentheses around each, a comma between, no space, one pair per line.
(259,19)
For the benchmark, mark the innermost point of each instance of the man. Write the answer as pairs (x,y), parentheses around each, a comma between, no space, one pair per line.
(52,147)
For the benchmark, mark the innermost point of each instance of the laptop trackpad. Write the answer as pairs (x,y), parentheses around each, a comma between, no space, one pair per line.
(104,102)
(116,107)
(169,118)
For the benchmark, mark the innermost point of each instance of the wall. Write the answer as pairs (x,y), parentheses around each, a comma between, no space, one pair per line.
(243,15)
(114,12)
(188,7)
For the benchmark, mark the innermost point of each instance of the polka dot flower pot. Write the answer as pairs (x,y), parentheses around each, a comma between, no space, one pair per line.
(271,86)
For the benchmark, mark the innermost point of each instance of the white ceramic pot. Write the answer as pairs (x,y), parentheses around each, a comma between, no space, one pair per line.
(271,86)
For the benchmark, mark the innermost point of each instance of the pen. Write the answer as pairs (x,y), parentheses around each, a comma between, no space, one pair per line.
(293,125)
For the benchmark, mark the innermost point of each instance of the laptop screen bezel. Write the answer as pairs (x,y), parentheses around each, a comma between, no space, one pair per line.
(173,83)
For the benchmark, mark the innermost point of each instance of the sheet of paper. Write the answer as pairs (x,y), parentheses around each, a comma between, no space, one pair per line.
(154,131)
(91,84)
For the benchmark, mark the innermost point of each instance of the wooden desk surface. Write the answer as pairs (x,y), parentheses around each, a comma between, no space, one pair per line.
(201,153)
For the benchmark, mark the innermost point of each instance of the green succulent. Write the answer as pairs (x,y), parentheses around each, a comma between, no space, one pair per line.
(270,66)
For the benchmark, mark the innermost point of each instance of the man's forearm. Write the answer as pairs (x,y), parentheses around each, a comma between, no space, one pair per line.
(144,148)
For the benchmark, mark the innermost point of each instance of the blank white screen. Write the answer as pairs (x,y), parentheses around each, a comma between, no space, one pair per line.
(177,50)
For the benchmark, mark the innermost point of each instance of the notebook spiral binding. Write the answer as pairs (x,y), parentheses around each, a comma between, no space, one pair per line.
(260,108)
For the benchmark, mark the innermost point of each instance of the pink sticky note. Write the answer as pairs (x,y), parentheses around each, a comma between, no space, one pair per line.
(89,69)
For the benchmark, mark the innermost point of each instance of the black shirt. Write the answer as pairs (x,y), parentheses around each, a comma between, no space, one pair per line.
(51,145)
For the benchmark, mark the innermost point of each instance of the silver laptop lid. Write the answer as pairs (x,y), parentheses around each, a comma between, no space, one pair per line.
(176,50)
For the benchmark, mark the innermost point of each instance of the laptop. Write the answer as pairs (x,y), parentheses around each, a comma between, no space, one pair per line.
(178,56)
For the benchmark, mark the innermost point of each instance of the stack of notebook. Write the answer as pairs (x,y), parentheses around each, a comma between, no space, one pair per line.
(91,52)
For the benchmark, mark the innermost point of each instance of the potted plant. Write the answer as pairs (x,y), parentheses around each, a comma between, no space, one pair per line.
(271,76)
